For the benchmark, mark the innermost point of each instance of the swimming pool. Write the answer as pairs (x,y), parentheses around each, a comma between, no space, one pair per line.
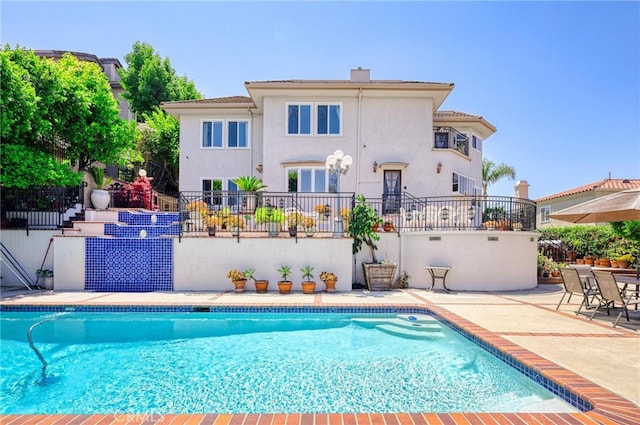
(246,362)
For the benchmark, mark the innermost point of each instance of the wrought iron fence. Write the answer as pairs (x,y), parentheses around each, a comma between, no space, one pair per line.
(40,208)
(277,212)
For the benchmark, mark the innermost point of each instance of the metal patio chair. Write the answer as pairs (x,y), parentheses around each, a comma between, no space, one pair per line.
(573,284)
(610,293)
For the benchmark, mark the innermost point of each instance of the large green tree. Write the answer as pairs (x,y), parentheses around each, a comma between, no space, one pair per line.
(150,80)
(50,105)
(492,172)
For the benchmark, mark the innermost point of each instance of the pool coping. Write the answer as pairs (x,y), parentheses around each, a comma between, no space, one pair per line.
(606,407)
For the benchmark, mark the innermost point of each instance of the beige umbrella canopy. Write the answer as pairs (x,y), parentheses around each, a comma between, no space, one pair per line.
(621,206)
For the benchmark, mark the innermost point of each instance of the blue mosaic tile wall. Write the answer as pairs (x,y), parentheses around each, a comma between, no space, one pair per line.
(144,218)
(133,231)
(129,264)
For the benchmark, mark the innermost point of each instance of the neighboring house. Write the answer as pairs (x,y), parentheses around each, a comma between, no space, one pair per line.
(109,66)
(558,201)
(284,130)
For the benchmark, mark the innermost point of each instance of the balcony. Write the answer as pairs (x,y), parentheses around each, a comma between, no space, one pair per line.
(450,138)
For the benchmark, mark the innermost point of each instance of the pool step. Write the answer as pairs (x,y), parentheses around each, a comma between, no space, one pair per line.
(404,325)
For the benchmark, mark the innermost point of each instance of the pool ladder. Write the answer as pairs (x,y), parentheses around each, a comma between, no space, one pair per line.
(34,348)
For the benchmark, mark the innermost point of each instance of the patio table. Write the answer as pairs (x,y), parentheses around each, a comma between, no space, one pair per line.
(438,272)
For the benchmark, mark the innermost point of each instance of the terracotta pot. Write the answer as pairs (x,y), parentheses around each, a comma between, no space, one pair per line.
(614,264)
(284,286)
(239,285)
(261,286)
(331,285)
(388,226)
(555,274)
(308,287)
(604,262)
(375,227)
(623,264)
(580,260)
(588,261)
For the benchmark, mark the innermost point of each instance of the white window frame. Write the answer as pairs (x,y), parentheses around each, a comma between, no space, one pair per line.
(313,169)
(469,184)
(316,122)
(212,121)
(476,143)
(225,133)
(313,118)
(545,212)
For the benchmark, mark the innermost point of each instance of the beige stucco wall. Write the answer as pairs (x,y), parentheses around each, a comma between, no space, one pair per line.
(201,263)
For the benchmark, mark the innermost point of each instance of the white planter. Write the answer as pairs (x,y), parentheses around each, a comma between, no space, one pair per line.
(48,282)
(100,199)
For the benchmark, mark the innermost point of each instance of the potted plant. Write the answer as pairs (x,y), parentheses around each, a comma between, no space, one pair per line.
(100,197)
(197,210)
(294,220)
(324,211)
(272,216)
(329,280)
(378,276)
(308,286)
(403,280)
(625,260)
(234,224)
(47,277)
(309,226)
(261,284)
(238,278)
(213,223)
(252,185)
(284,285)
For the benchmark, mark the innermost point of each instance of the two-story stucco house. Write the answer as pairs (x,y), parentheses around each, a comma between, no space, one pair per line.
(283,131)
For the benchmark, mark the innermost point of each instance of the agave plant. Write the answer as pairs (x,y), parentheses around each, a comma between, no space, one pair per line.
(249,184)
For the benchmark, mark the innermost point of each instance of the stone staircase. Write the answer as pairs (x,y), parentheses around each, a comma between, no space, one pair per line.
(414,326)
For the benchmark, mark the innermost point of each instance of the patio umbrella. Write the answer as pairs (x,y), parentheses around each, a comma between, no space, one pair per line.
(621,206)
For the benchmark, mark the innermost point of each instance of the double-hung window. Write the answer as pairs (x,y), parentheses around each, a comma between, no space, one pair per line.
(476,143)
(212,134)
(320,119)
(231,134)
(544,214)
(299,119)
(462,184)
(328,119)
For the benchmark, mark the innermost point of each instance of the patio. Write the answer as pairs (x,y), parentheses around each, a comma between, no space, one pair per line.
(527,319)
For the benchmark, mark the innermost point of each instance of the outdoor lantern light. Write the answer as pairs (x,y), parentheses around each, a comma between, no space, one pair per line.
(338,163)
(471,213)
(444,213)
(375,166)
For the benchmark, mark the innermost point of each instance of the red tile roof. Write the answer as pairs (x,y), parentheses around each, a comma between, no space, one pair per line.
(613,185)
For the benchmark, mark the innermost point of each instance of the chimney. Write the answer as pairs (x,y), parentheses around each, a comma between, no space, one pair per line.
(522,189)
(361,75)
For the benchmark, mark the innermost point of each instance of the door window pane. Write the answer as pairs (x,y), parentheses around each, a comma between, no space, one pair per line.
(305,181)
(319,185)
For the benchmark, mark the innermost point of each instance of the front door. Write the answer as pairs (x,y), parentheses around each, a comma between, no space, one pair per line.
(392,192)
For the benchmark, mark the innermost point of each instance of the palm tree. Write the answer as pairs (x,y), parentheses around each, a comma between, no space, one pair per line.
(492,172)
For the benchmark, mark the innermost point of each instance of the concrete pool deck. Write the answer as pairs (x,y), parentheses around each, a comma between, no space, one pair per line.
(593,359)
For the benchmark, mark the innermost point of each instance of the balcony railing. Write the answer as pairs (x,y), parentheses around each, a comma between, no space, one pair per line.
(318,212)
(450,138)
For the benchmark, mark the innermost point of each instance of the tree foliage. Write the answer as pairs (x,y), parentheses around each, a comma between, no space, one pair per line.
(363,220)
(150,80)
(49,106)
(492,172)
(23,167)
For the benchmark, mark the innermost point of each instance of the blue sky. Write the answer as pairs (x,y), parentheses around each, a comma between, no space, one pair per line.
(560,80)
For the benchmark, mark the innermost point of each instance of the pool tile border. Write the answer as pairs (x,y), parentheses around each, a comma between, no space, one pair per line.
(597,404)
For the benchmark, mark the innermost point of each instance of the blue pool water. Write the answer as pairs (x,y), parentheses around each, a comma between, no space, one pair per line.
(251,363)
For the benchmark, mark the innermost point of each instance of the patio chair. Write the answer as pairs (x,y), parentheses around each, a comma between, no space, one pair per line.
(610,293)
(573,285)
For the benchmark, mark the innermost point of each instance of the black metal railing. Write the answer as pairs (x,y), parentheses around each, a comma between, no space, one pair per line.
(450,138)
(44,208)
(277,212)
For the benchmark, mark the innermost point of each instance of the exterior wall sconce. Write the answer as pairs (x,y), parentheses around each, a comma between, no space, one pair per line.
(439,167)
(259,167)
(375,166)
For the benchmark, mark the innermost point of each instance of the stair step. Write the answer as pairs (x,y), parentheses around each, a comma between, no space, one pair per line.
(419,318)
(415,326)
(413,333)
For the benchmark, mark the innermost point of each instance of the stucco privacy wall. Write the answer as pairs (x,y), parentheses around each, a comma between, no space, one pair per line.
(479,260)
(201,263)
